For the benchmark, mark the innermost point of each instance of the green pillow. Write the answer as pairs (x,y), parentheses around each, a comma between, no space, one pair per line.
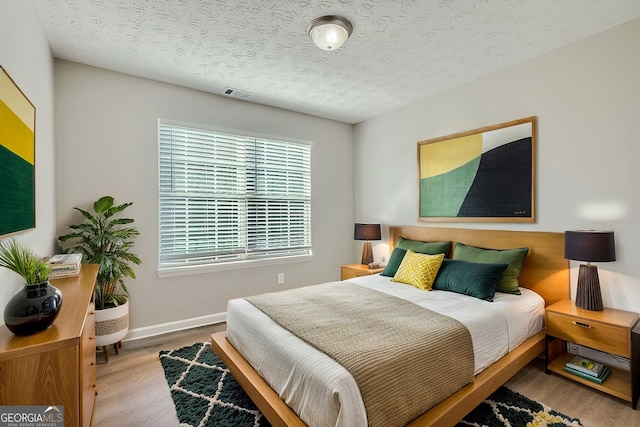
(394,262)
(429,248)
(469,278)
(514,257)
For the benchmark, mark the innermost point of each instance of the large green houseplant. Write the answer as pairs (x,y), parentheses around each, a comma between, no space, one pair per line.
(105,239)
(37,304)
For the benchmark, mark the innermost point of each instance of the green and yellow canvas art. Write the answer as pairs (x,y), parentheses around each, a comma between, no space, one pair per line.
(17,158)
(481,175)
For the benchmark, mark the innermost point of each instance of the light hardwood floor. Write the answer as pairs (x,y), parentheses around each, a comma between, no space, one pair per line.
(132,390)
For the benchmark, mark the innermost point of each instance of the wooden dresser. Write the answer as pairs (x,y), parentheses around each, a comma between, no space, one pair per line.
(56,367)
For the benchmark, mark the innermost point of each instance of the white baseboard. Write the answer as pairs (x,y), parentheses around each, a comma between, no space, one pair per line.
(179,325)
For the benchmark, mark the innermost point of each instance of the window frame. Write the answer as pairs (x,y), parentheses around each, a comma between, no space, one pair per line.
(171,271)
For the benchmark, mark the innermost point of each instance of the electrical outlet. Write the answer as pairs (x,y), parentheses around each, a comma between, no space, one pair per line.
(280,278)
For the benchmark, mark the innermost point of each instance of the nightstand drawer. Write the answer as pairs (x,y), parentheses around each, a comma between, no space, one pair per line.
(348,274)
(601,336)
(352,271)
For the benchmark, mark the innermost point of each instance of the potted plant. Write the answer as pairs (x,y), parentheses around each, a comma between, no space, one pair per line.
(37,304)
(106,239)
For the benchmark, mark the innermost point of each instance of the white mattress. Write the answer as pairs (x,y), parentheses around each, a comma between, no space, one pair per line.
(323,393)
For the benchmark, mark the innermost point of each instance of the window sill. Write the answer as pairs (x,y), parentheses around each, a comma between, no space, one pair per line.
(225,266)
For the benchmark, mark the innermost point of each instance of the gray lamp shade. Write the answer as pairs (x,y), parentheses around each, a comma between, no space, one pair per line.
(589,245)
(367,232)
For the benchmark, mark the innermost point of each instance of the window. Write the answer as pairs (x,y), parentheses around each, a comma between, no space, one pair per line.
(227,198)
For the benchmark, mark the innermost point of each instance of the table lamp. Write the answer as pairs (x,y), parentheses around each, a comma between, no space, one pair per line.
(590,246)
(367,232)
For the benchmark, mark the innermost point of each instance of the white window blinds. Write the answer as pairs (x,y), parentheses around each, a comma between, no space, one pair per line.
(225,197)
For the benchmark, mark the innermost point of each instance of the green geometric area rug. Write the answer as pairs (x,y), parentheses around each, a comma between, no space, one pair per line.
(206,395)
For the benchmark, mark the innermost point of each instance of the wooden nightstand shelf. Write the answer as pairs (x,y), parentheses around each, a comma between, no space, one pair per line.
(608,330)
(358,270)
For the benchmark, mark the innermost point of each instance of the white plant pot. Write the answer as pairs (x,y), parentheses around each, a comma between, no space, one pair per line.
(112,324)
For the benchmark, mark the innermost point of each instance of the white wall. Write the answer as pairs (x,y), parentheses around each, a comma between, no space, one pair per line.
(585,96)
(25,56)
(587,100)
(106,144)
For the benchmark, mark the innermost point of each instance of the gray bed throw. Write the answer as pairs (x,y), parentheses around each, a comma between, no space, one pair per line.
(404,358)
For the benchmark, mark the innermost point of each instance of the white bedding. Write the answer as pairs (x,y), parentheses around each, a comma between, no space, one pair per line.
(323,393)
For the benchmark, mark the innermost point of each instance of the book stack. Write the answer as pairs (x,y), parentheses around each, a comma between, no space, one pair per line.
(587,369)
(64,265)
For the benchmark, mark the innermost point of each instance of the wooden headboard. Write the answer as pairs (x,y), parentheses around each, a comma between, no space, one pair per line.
(545,269)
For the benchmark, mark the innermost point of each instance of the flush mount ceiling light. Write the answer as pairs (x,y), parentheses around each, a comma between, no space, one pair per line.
(329,32)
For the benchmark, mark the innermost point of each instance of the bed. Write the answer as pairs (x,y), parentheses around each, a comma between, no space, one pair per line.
(545,272)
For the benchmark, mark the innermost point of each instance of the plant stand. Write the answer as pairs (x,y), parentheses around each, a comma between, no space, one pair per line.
(105,350)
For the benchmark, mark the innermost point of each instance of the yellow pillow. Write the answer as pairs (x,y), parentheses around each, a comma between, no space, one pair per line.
(418,270)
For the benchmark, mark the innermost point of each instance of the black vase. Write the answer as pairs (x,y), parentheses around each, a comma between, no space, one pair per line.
(33,309)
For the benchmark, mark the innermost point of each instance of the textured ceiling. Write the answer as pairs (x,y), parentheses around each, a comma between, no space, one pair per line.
(400,51)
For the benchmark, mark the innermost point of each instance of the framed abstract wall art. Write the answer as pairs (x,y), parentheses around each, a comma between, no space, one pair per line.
(17,158)
(481,175)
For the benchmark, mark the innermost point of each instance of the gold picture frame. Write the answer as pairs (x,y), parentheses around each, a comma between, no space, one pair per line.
(17,158)
(482,175)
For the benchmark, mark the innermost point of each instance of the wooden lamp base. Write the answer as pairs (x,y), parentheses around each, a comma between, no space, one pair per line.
(588,295)
(367,253)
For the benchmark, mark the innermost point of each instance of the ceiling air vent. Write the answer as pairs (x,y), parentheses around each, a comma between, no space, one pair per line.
(237,93)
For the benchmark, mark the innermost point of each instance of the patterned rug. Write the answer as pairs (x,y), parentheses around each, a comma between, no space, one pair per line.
(206,395)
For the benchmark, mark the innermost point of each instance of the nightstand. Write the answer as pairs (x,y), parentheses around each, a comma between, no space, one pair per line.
(358,270)
(608,330)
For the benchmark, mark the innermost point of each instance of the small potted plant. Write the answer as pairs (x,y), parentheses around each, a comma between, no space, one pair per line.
(37,304)
(105,239)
